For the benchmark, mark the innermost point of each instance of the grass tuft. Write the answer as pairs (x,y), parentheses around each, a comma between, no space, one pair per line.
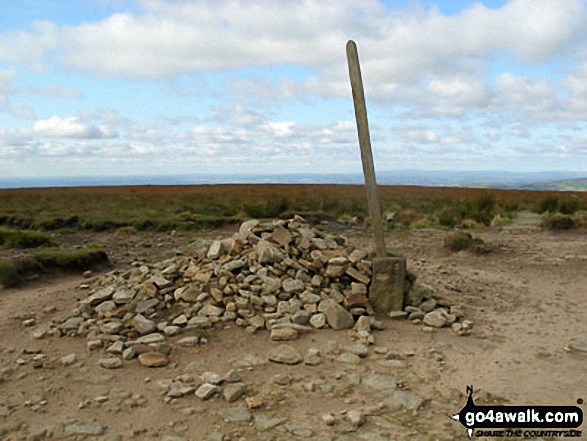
(10,238)
(12,271)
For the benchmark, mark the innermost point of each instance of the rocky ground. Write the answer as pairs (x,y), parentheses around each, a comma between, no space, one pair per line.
(526,301)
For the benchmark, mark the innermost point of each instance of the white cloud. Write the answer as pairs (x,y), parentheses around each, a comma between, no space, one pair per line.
(72,127)
(55,91)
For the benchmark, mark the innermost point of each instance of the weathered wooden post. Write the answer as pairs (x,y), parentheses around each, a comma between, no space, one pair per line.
(386,292)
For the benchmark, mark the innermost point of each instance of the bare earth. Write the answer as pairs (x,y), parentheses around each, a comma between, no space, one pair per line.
(527,299)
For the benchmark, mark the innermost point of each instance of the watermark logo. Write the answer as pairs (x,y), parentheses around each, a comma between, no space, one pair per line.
(519,421)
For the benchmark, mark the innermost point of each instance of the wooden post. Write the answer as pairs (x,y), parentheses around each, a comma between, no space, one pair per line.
(386,292)
(365,144)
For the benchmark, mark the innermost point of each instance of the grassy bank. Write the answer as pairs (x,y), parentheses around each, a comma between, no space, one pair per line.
(14,270)
(162,208)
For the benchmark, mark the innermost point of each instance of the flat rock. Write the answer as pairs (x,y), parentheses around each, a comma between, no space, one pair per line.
(379,382)
(84,429)
(318,320)
(153,359)
(151,338)
(338,317)
(284,334)
(236,414)
(579,346)
(206,390)
(143,325)
(233,391)
(267,422)
(404,400)
(284,354)
(437,318)
(110,362)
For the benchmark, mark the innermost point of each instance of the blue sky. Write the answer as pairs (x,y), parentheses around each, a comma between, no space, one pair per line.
(115,87)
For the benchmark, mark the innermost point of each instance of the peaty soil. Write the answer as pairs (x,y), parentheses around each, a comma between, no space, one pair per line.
(527,300)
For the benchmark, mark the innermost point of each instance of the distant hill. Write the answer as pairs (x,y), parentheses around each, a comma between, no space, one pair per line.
(561,185)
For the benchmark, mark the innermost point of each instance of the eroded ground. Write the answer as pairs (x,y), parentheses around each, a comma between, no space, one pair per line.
(527,299)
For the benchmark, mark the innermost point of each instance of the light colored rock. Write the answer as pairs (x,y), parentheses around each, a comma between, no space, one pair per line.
(153,359)
(143,325)
(84,429)
(151,338)
(338,317)
(236,414)
(284,334)
(284,354)
(318,320)
(110,362)
(68,360)
(206,391)
(437,318)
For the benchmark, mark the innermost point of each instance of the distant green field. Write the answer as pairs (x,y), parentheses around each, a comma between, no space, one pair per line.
(164,208)
(564,185)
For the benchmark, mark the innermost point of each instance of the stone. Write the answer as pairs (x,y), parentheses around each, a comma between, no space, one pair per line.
(123,296)
(98,297)
(357,255)
(386,292)
(68,360)
(363,324)
(254,402)
(355,417)
(84,429)
(436,318)
(334,271)
(110,362)
(267,253)
(403,400)
(284,354)
(129,353)
(153,359)
(215,250)
(318,320)
(358,276)
(210,311)
(359,288)
(284,334)
(94,345)
(212,378)
(428,305)
(188,293)
(338,317)
(247,226)
(116,348)
(347,357)
(151,338)
(233,392)
(281,236)
(578,346)
(309,297)
(397,315)
(172,330)
(379,382)
(112,327)
(266,422)
(313,357)
(143,325)
(329,419)
(206,390)
(236,414)
(72,324)
(105,307)
(292,285)
(188,341)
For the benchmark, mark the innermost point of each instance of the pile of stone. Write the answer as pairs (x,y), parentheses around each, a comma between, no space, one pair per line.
(283,276)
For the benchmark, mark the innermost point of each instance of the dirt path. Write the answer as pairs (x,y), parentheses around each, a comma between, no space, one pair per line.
(527,299)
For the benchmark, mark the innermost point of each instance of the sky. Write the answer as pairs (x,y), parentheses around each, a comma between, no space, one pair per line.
(154,87)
